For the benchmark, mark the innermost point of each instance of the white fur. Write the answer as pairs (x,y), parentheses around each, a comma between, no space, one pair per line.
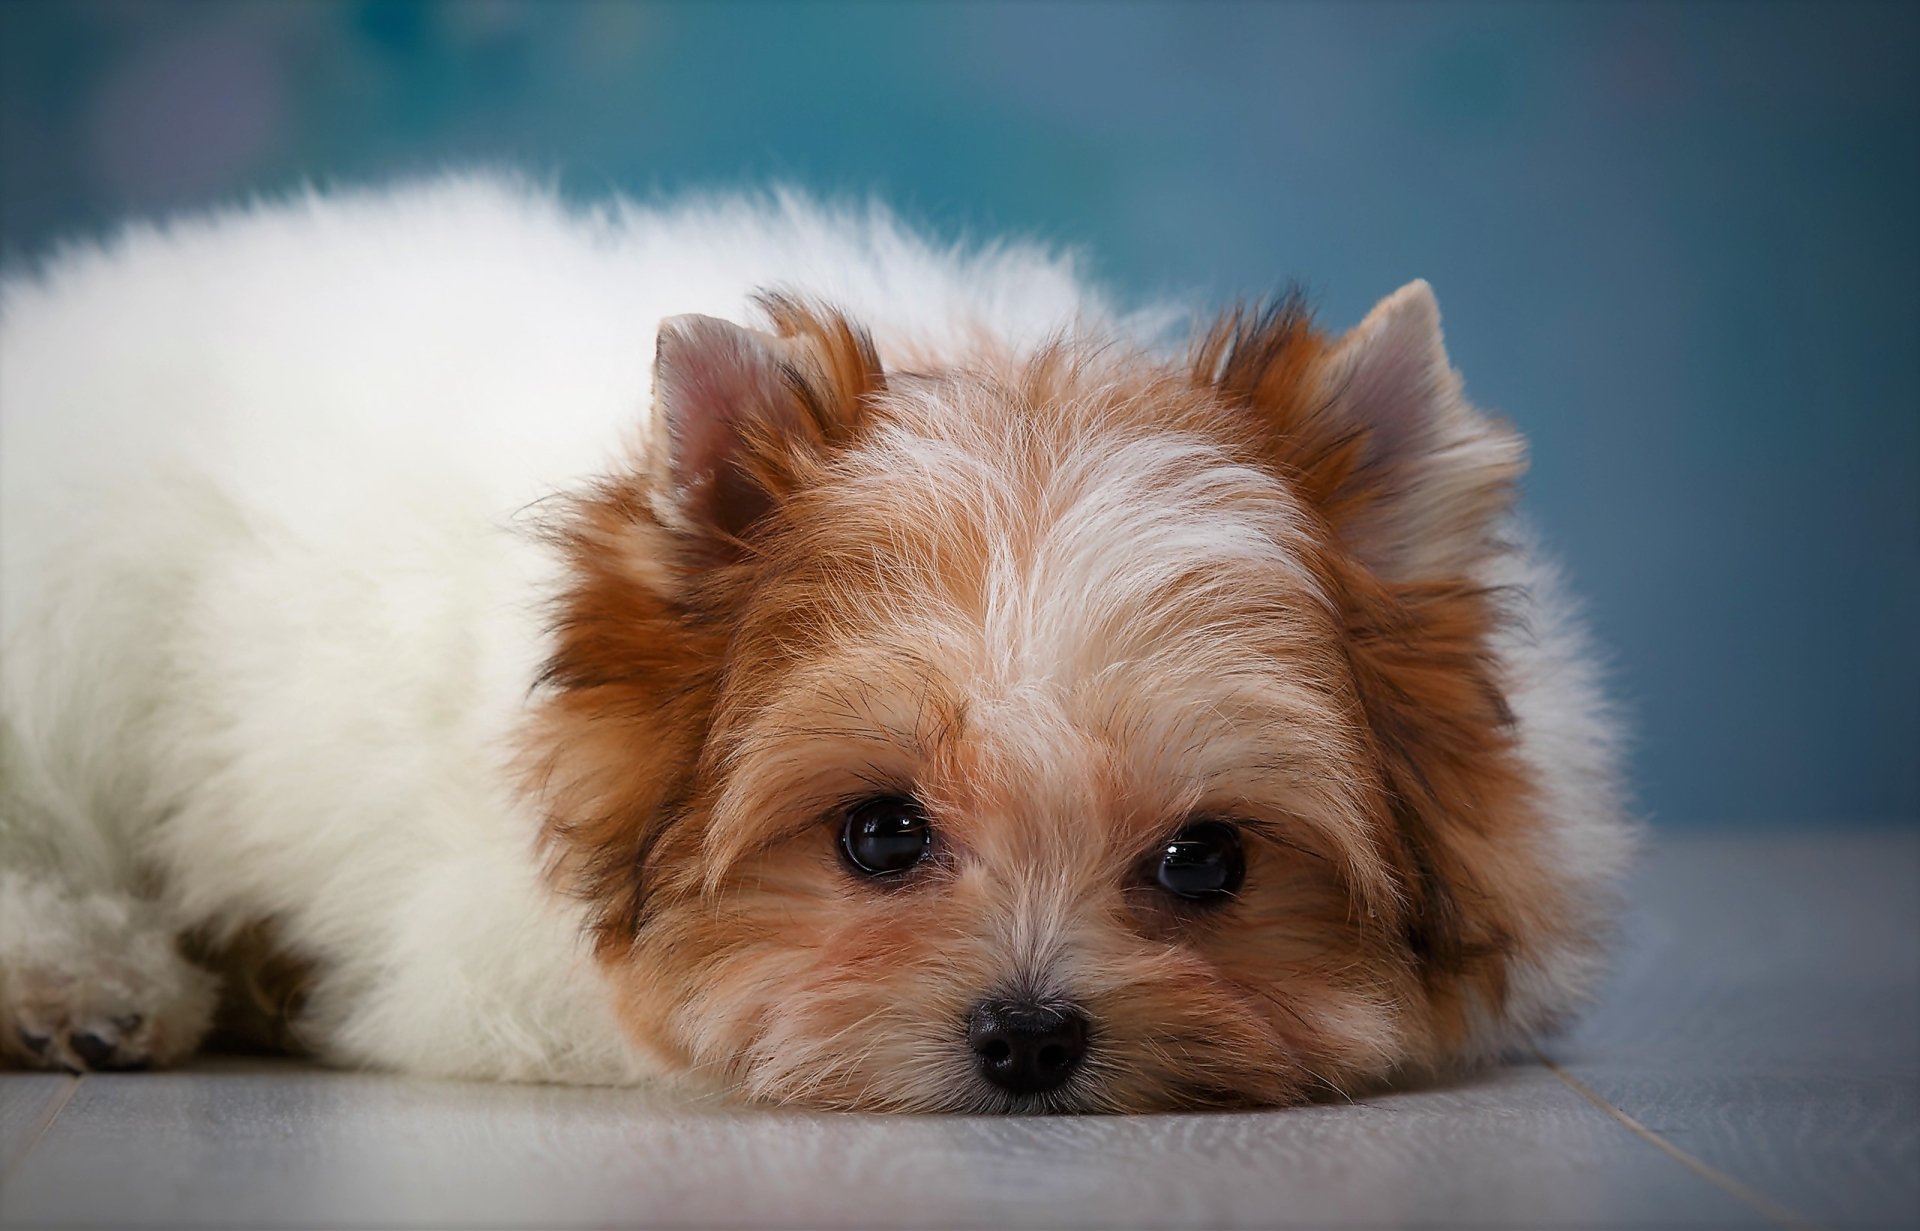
(269,613)
(1570,738)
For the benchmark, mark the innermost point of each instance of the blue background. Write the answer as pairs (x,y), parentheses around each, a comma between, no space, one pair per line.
(1678,245)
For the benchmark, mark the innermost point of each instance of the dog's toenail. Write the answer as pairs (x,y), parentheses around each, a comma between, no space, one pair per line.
(127,1023)
(96,1051)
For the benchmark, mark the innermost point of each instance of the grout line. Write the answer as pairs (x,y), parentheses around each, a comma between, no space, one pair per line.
(48,1115)
(1771,1209)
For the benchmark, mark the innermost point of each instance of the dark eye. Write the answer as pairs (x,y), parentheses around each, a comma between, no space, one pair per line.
(885,835)
(1203,863)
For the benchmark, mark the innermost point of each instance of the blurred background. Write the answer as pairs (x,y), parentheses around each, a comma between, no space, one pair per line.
(1678,244)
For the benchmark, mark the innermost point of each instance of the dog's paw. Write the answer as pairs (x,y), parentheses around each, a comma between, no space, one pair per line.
(102,1019)
(94,983)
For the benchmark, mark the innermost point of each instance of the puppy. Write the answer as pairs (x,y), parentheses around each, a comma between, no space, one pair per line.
(751,645)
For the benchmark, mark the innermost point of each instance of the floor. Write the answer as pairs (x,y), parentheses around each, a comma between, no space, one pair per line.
(1756,1062)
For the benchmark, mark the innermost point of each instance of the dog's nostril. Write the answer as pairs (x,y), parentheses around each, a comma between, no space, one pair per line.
(95,1049)
(1027,1048)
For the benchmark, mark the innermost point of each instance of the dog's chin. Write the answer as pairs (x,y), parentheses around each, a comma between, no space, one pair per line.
(1070,1100)
(967,1095)
(1103,1087)
(1089,1098)
(1088,1095)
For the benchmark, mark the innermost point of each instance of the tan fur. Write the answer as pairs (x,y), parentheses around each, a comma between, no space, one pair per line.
(1069,601)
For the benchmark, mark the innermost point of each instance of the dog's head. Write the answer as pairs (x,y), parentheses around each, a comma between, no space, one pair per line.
(1065,731)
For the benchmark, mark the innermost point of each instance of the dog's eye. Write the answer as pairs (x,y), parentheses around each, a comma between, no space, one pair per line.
(885,835)
(1203,862)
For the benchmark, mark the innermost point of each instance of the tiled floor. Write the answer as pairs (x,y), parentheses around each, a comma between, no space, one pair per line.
(1755,1063)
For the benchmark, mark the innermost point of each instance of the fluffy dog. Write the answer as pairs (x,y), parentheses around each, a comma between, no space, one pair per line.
(746,643)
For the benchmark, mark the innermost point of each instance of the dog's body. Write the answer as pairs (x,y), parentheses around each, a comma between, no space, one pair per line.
(349,598)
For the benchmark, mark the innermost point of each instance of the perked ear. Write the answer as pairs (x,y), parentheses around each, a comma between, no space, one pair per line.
(1372,429)
(738,413)
(1433,474)
(715,386)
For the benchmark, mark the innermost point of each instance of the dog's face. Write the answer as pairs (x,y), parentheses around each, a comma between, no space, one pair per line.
(1067,732)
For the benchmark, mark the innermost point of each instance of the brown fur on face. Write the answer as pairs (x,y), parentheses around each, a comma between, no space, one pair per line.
(1069,602)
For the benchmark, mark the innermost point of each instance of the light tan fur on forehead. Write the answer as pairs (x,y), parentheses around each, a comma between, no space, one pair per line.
(1088,576)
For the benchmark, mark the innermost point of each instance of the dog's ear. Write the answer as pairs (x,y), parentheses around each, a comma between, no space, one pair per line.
(1372,430)
(1420,505)
(1375,429)
(1438,472)
(716,387)
(740,415)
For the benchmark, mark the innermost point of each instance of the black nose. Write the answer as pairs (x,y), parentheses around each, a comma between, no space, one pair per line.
(1026,1048)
